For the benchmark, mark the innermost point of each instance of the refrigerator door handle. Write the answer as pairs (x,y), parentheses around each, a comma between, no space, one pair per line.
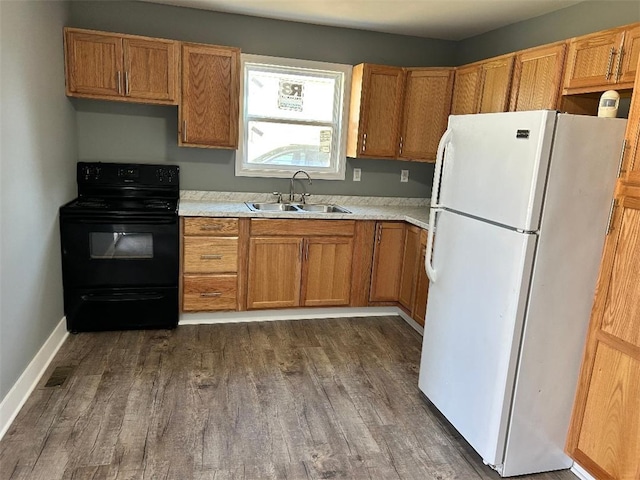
(435,192)
(431,272)
(437,175)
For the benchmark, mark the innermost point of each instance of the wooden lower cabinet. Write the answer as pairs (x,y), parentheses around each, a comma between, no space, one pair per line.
(326,276)
(387,262)
(414,284)
(398,275)
(419,310)
(288,269)
(209,292)
(410,267)
(604,436)
(275,272)
(212,256)
(256,264)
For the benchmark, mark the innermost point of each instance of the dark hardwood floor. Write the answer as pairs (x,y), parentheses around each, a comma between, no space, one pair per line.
(308,399)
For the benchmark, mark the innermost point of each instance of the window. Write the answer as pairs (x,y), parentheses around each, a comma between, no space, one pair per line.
(293,117)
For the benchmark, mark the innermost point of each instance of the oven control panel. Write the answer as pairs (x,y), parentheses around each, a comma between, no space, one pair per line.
(123,174)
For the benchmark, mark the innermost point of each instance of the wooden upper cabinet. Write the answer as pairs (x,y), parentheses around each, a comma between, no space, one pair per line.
(93,63)
(537,78)
(427,97)
(631,160)
(120,67)
(466,90)
(210,96)
(398,113)
(151,69)
(602,60)
(630,55)
(604,436)
(482,87)
(495,82)
(375,113)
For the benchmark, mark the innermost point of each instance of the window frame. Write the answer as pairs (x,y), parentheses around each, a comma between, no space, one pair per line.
(337,170)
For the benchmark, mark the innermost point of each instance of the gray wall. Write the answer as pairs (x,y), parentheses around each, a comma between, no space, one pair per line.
(580,19)
(38,151)
(114,132)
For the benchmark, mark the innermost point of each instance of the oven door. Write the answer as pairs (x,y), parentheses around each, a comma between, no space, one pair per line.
(119,252)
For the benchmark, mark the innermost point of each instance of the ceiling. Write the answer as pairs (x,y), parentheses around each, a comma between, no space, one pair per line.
(443,19)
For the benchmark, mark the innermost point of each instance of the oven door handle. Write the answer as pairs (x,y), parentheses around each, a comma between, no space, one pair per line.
(121,297)
(122,221)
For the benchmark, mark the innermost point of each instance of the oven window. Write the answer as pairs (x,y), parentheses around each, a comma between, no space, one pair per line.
(109,245)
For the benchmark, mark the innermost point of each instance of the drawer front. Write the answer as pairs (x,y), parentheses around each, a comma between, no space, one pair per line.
(210,255)
(209,292)
(272,227)
(211,226)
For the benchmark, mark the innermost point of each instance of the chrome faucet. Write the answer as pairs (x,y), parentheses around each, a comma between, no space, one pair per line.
(291,189)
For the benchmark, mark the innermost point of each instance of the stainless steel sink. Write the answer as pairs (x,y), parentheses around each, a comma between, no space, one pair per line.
(273,207)
(295,207)
(323,208)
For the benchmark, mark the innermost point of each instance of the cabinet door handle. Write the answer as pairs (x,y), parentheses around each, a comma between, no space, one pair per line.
(614,204)
(401,144)
(364,142)
(184,130)
(379,234)
(612,52)
(635,151)
(300,250)
(126,83)
(210,294)
(211,227)
(620,56)
(118,79)
(306,250)
(211,257)
(621,161)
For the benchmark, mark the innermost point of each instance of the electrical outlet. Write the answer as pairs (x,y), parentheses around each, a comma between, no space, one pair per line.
(356,174)
(404,176)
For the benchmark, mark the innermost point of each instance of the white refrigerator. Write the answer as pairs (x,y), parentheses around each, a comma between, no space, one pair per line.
(519,208)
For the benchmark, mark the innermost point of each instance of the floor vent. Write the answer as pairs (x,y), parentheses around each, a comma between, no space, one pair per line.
(59,376)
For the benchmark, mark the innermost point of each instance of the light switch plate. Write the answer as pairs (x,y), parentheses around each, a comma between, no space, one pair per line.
(356,174)
(404,176)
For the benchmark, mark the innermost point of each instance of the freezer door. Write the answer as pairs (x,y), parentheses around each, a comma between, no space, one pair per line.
(495,166)
(473,327)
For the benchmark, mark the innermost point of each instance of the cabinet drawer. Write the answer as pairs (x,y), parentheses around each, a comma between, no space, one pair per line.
(209,292)
(210,226)
(273,227)
(210,254)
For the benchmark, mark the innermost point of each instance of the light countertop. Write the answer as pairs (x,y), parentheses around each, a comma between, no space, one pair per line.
(231,204)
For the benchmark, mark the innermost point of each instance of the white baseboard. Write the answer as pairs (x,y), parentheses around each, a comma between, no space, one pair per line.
(412,323)
(17,396)
(581,473)
(203,318)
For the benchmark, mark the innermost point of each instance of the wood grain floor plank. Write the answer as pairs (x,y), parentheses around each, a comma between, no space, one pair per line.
(294,400)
